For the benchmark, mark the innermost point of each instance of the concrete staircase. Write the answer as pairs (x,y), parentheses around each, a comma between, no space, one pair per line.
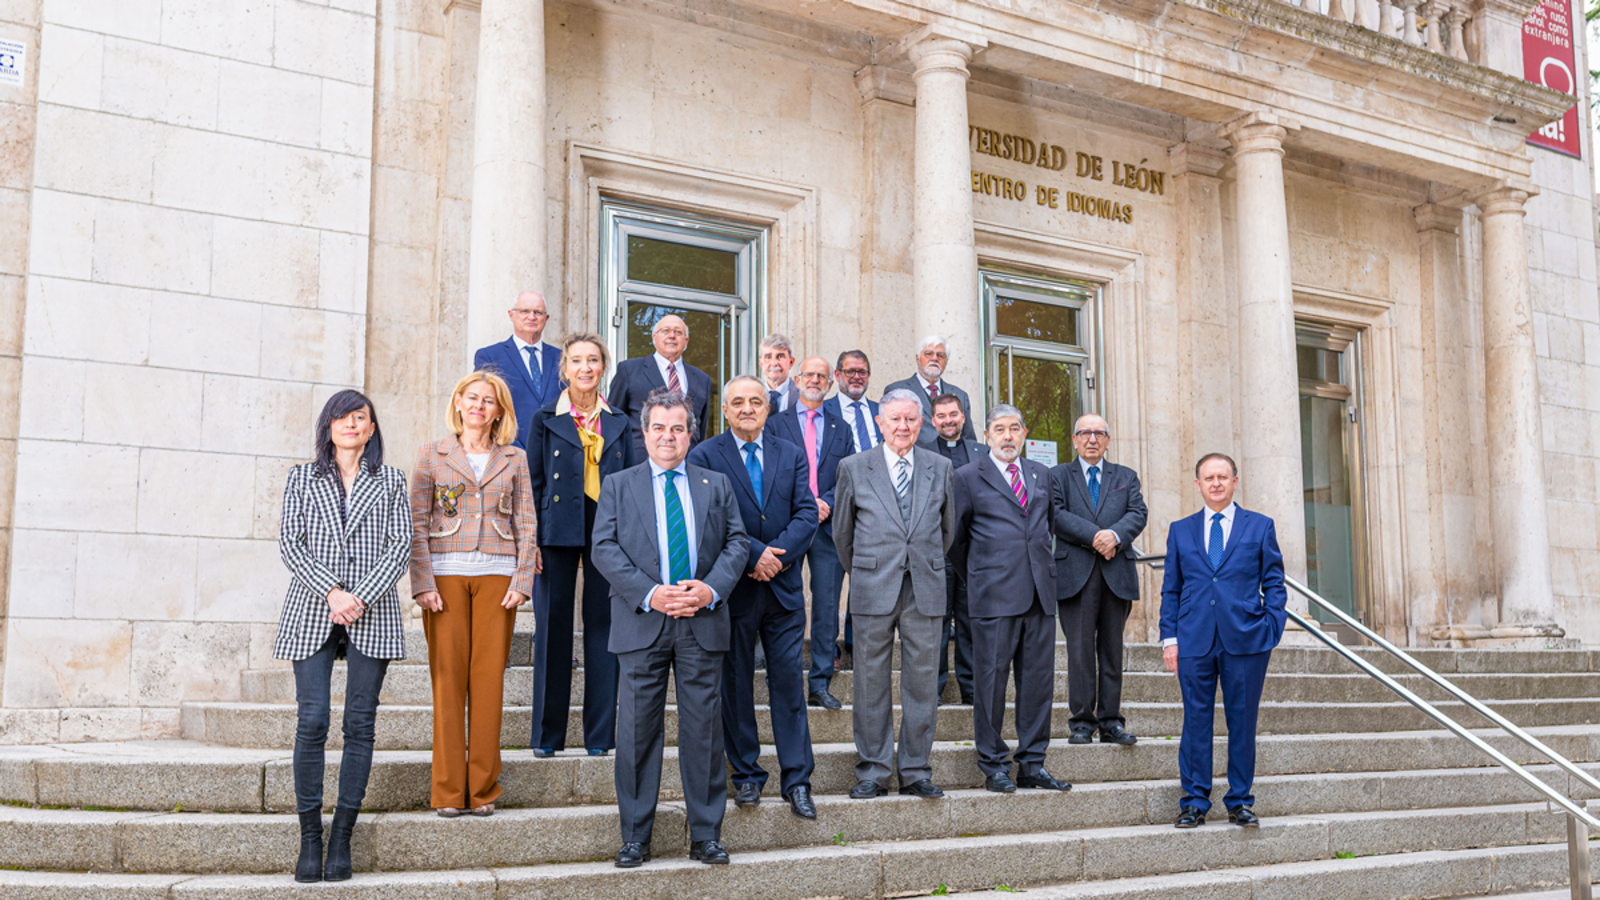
(1361,799)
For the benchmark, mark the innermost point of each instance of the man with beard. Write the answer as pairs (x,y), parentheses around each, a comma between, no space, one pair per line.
(948,421)
(932,356)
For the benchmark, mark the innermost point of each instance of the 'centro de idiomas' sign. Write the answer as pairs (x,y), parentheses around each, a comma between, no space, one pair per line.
(1040,155)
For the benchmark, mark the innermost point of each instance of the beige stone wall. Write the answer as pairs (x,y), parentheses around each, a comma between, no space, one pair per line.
(196,286)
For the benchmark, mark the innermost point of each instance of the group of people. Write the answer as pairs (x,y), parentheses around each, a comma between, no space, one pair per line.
(691,550)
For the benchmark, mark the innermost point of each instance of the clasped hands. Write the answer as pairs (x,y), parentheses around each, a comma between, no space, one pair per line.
(768,566)
(1106,543)
(432,602)
(685,598)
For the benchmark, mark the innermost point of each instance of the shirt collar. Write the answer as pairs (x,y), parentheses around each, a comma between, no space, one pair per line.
(1002,465)
(656,471)
(661,361)
(1227,513)
(564,404)
(892,458)
(1084,464)
(744,443)
(522,345)
(927,384)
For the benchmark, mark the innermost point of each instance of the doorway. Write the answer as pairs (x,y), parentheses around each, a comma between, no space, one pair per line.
(1041,337)
(1328,363)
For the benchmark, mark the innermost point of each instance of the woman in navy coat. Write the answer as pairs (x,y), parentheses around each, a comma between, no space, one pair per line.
(575,442)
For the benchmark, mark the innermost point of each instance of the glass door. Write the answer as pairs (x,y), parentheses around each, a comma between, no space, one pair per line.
(1330,465)
(709,273)
(1039,357)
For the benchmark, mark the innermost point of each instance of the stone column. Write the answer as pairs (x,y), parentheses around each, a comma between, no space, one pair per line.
(944,259)
(1270,478)
(1515,435)
(508,168)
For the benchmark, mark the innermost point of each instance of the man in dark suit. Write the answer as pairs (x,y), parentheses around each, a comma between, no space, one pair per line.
(948,421)
(932,356)
(824,439)
(1002,546)
(668,538)
(1223,608)
(1099,512)
(777,359)
(854,372)
(772,484)
(530,366)
(636,379)
(893,524)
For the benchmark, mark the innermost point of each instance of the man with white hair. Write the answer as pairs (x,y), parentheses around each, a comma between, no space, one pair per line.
(666,368)
(928,383)
(777,358)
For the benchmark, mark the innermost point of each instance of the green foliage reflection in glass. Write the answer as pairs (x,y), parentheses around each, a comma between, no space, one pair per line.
(1036,321)
(1047,392)
(705,329)
(682,265)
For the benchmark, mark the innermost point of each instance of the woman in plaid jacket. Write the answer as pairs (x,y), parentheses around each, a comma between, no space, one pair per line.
(474,552)
(345,536)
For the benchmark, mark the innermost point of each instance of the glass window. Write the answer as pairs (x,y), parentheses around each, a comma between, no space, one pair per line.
(1015,317)
(682,265)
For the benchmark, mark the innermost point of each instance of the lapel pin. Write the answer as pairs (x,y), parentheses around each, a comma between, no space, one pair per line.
(705,481)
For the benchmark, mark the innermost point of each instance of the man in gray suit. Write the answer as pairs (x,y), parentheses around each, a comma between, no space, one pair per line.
(927,384)
(669,539)
(893,520)
(1099,511)
(1002,547)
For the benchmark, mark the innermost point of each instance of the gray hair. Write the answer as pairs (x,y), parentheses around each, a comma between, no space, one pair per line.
(738,378)
(662,398)
(933,340)
(776,341)
(901,395)
(657,325)
(1003,411)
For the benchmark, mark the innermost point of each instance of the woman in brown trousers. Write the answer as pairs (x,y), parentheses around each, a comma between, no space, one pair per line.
(473,558)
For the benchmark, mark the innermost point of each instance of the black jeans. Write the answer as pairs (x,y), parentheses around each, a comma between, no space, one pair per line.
(364,679)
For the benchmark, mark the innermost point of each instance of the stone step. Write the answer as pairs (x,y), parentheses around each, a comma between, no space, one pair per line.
(410,727)
(1348,772)
(1285,858)
(410,686)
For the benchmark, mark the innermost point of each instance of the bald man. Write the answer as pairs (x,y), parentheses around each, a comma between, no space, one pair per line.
(525,361)
(665,368)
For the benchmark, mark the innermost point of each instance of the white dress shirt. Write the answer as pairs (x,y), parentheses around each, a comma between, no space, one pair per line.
(893,459)
(1101,465)
(847,408)
(1002,465)
(658,487)
(929,384)
(761,457)
(683,374)
(538,350)
(1205,537)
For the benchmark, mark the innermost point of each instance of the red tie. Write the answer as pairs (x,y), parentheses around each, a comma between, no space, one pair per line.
(933,391)
(673,384)
(1016,485)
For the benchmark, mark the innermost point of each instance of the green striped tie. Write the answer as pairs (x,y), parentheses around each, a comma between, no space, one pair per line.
(677,533)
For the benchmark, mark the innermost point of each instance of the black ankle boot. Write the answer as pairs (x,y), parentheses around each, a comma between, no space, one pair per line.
(309,866)
(338,867)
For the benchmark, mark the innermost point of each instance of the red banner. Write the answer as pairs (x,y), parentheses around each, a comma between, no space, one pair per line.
(1547,59)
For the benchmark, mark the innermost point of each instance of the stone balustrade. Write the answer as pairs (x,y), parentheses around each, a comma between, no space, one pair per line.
(1439,25)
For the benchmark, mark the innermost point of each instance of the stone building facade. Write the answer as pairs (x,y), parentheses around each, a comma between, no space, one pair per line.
(1312,237)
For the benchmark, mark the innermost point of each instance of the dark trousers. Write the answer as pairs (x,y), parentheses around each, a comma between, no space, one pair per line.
(1092,621)
(780,631)
(363,682)
(1242,679)
(641,714)
(998,642)
(552,650)
(957,624)
(827,581)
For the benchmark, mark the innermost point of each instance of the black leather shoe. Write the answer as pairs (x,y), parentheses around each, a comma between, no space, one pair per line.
(966,699)
(825,700)
(308,867)
(1117,735)
(711,853)
(1081,736)
(999,783)
(543,753)
(337,868)
(800,802)
(1189,817)
(1244,817)
(632,855)
(866,790)
(1043,780)
(925,789)
(748,794)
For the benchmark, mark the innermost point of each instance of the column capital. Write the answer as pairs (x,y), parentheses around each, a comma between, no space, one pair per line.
(1502,197)
(942,46)
(1439,217)
(877,82)
(1189,158)
(1258,132)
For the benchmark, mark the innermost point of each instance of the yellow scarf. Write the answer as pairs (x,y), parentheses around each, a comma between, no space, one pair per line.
(592,444)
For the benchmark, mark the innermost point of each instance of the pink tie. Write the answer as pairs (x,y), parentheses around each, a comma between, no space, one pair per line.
(811,446)
(673,384)
(1016,485)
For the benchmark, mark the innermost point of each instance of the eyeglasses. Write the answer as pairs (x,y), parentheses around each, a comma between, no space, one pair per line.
(813,376)
(531,313)
(1098,435)
(855,373)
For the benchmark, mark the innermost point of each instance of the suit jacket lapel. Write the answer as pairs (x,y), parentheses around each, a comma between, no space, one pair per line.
(1076,478)
(519,363)
(644,507)
(921,483)
(769,470)
(652,372)
(700,496)
(457,459)
(883,484)
(566,428)
(364,495)
(1200,523)
(992,477)
(741,475)
(1235,534)
(326,497)
(497,461)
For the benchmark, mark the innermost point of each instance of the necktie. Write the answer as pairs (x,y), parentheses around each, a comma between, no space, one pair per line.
(774,401)
(677,533)
(1094,486)
(933,391)
(902,476)
(811,446)
(1215,548)
(863,434)
(534,368)
(673,384)
(753,467)
(1016,485)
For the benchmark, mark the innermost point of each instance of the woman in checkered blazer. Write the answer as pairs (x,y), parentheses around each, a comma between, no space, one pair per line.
(474,552)
(345,536)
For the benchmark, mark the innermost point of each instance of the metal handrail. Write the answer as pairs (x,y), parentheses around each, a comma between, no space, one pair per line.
(1579,820)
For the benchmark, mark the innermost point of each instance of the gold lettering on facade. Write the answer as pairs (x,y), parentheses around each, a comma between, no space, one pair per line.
(1030,152)
(1090,167)
(998,186)
(1137,177)
(1017,148)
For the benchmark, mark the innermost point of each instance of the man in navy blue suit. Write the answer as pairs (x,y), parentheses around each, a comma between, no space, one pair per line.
(824,439)
(1223,608)
(638,377)
(528,364)
(853,373)
(771,481)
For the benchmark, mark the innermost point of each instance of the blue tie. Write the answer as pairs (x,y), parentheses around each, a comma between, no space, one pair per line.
(1215,550)
(753,466)
(533,366)
(677,533)
(1094,486)
(863,436)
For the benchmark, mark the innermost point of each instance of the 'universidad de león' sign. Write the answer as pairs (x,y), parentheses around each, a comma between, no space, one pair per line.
(1134,176)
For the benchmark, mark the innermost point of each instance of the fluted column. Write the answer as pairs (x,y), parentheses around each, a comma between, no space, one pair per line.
(944,260)
(508,167)
(1270,476)
(1515,434)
